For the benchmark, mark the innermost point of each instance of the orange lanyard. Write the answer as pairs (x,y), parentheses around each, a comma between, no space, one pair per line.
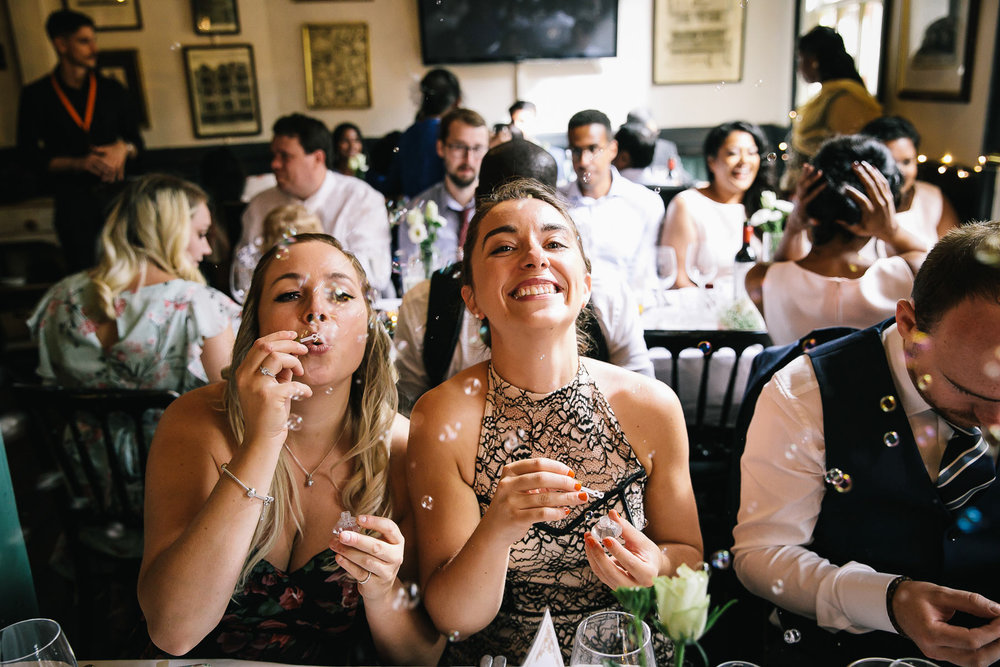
(83,123)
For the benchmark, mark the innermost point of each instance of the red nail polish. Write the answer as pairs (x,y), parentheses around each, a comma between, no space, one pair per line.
(571,473)
(577,486)
(582,496)
(566,509)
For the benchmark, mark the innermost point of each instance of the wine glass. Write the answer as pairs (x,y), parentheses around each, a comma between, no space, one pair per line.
(609,638)
(666,268)
(701,267)
(38,640)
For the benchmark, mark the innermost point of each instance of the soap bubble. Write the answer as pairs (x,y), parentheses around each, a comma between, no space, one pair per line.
(453,636)
(294,422)
(891,439)
(705,347)
(792,636)
(427,503)
(969,519)
(778,587)
(721,560)
(924,382)
(887,403)
(771,157)
(281,253)
(472,386)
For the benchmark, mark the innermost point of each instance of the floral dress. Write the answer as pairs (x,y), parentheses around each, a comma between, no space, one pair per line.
(161,331)
(313,615)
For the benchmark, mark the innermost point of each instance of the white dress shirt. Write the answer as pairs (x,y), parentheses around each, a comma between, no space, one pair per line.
(619,230)
(617,315)
(783,471)
(350,210)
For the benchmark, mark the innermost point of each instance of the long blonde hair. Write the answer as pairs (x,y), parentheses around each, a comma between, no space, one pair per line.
(150,221)
(371,408)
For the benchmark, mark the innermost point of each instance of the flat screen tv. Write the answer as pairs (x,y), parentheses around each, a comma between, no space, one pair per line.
(480,31)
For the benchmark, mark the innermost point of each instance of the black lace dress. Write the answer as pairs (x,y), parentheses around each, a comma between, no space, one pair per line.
(548,567)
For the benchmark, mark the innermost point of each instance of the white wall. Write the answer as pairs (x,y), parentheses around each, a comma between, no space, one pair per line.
(559,88)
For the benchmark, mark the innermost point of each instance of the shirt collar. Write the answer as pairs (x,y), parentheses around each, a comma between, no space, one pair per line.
(615,190)
(453,203)
(913,403)
(313,201)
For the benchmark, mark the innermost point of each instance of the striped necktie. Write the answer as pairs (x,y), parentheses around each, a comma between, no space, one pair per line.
(966,468)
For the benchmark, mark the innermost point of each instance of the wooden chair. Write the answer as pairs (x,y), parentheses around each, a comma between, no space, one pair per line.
(95,441)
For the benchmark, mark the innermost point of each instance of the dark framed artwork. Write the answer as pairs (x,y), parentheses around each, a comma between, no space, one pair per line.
(937,46)
(109,14)
(122,65)
(215,17)
(338,68)
(222,89)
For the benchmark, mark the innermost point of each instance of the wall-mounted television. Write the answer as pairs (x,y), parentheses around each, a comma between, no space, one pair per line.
(480,31)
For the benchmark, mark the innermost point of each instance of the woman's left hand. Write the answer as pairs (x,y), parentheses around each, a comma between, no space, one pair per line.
(878,210)
(633,564)
(372,561)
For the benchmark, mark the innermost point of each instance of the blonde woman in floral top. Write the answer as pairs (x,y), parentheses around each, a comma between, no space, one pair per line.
(144,317)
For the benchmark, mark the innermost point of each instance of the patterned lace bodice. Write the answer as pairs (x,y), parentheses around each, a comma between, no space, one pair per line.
(548,567)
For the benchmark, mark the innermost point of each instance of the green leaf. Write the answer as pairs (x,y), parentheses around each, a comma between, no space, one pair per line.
(716,613)
(636,600)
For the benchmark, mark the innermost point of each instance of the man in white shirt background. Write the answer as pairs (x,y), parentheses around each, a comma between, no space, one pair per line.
(349,209)
(618,220)
(869,514)
(462,143)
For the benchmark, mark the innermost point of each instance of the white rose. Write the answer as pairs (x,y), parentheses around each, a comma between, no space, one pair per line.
(431,210)
(417,233)
(682,603)
(775,215)
(760,217)
(414,217)
(767,198)
(784,206)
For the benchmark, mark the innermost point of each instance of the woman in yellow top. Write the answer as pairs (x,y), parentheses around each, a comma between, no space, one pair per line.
(842,106)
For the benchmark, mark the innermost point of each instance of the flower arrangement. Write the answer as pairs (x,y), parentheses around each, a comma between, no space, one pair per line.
(681,605)
(422,228)
(358,164)
(772,214)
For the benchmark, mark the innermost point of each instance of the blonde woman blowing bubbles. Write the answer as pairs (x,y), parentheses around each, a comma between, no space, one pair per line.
(230,572)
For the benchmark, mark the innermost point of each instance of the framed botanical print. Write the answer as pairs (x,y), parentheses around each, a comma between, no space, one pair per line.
(337,62)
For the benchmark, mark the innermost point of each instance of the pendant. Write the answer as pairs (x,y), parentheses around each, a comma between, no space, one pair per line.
(309,480)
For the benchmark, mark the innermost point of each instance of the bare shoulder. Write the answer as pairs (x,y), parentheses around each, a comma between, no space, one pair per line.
(197,419)
(647,410)
(460,393)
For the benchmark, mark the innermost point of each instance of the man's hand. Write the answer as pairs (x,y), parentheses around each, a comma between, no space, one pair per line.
(923,610)
(108,161)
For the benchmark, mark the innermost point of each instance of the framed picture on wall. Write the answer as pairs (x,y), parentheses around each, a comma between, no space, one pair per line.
(937,45)
(697,42)
(109,14)
(222,88)
(123,66)
(337,62)
(215,17)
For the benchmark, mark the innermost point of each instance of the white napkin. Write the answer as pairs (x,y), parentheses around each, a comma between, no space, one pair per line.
(544,650)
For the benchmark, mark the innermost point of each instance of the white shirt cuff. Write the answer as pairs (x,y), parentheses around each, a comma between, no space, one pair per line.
(854,600)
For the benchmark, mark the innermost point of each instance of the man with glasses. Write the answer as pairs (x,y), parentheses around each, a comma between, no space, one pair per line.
(463,140)
(618,219)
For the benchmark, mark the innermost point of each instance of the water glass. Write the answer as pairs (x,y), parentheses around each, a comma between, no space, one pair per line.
(609,638)
(35,641)
(700,264)
(872,662)
(736,663)
(666,267)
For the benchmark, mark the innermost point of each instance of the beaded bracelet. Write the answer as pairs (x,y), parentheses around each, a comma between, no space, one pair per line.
(890,593)
(251,491)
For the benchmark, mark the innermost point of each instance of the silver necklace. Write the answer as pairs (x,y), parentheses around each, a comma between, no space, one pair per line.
(309,475)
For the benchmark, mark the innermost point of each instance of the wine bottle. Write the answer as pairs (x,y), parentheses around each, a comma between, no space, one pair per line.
(745,258)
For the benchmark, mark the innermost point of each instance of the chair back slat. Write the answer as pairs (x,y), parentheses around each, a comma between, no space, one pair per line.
(65,420)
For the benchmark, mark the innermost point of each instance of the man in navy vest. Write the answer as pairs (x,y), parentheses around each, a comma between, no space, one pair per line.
(868,512)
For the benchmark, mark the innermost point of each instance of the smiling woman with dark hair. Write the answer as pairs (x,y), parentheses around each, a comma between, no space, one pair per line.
(714,215)
(508,506)
(850,192)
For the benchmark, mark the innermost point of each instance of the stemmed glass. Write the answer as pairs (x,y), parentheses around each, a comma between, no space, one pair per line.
(608,638)
(666,269)
(701,267)
(38,640)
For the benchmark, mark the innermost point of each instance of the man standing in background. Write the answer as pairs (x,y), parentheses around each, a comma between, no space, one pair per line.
(76,130)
